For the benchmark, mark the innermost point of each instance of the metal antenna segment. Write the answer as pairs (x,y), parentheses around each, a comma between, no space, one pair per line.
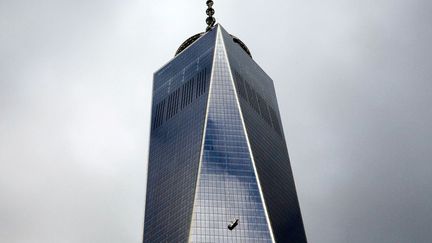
(210,12)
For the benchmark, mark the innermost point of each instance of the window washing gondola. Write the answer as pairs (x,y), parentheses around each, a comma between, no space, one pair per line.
(233,224)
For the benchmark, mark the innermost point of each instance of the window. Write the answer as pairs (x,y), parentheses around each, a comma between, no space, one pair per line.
(201,83)
(187,93)
(159,114)
(173,99)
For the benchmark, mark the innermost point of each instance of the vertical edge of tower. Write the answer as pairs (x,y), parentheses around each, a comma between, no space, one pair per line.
(179,100)
(260,112)
(204,130)
(223,33)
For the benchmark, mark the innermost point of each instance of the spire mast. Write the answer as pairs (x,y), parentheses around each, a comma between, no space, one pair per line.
(210,12)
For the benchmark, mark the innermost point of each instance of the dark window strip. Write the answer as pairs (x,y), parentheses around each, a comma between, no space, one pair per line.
(264,110)
(256,102)
(275,121)
(159,113)
(180,98)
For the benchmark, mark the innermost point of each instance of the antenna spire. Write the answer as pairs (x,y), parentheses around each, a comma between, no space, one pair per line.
(210,12)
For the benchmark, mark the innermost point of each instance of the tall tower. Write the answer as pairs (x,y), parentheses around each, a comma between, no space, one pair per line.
(218,166)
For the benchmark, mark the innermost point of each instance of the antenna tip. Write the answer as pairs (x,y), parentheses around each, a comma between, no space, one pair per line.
(210,12)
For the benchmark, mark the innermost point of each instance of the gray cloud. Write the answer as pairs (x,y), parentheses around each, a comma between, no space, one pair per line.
(354,87)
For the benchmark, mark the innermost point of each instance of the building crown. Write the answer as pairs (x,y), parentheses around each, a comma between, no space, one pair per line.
(211,21)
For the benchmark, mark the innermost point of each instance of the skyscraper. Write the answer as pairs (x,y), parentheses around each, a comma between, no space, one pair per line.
(218,166)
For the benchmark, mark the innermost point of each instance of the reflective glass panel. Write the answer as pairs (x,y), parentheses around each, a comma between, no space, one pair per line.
(227,186)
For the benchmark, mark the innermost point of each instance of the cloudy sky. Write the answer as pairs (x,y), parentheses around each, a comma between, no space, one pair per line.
(354,84)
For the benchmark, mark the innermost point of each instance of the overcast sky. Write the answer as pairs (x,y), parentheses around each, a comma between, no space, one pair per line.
(354,84)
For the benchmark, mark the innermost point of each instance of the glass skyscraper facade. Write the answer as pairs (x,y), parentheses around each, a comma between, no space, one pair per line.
(218,167)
